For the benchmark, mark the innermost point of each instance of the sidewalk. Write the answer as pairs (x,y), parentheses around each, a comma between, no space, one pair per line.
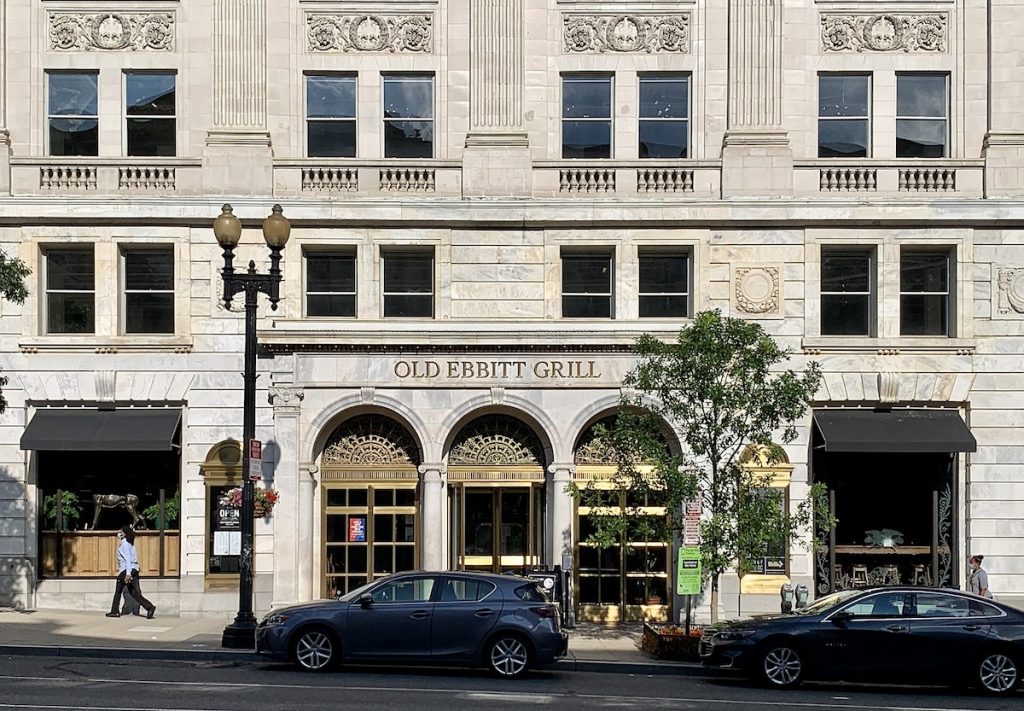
(74,633)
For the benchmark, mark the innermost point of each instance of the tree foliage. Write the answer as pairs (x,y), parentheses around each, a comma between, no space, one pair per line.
(13,273)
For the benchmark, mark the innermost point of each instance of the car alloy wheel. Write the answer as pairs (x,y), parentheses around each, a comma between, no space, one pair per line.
(314,650)
(509,657)
(997,673)
(782,667)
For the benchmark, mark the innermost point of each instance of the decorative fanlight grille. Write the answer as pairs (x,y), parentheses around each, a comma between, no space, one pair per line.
(370,440)
(496,440)
(593,449)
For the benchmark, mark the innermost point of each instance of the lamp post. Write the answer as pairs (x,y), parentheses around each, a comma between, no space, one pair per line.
(241,633)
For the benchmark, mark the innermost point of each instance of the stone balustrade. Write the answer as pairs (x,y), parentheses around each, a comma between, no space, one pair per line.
(105,176)
(904,178)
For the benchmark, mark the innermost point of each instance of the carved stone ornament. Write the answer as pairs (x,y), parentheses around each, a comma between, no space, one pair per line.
(283,398)
(626,33)
(111,31)
(757,290)
(496,440)
(1010,283)
(883,33)
(369,33)
(370,440)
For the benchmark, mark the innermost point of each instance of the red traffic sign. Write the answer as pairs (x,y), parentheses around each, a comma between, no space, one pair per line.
(255,449)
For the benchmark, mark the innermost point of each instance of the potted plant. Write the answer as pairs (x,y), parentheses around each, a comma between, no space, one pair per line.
(172,509)
(671,641)
(263,500)
(70,508)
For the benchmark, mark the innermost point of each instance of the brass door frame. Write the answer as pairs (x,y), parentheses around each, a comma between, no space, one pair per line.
(496,561)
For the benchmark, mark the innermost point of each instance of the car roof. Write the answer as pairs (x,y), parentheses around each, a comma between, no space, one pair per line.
(479,575)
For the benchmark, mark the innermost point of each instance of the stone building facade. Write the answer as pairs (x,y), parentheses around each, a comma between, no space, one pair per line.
(489,201)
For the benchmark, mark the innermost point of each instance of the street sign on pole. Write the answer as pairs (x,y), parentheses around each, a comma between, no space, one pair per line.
(688,571)
(255,460)
(691,523)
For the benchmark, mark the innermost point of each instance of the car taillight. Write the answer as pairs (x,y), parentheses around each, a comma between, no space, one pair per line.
(546,611)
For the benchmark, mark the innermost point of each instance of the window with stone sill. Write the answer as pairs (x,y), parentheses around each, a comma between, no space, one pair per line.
(409,116)
(72,113)
(587,279)
(69,290)
(148,298)
(844,115)
(150,113)
(848,293)
(330,116)
(664,124)
(408,283)
(586,116)
(922,113)
(331,283)
(926,307)
(664,283)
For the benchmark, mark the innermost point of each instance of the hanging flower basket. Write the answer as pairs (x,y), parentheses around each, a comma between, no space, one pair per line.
(262,504)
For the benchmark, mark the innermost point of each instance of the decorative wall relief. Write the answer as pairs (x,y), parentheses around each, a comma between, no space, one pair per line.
(626,33)
(369,33)
(883,33)
(758,290)
(1010,287)
(112,31)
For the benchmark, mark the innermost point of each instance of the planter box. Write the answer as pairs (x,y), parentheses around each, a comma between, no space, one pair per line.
(94,553)
(671,642)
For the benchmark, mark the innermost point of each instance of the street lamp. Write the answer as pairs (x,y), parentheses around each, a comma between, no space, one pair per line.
(241,634)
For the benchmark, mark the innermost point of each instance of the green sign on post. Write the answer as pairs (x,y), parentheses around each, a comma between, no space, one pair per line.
(688,571)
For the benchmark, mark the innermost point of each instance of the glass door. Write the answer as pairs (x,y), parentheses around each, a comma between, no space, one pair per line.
(499,528)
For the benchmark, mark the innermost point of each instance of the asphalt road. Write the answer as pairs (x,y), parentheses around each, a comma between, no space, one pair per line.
(34,683)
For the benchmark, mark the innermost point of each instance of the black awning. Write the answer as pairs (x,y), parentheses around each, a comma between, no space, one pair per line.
(102,430)
(922,431)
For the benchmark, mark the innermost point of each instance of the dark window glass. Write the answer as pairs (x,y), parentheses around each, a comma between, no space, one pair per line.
(331,116)
(409,284)
(664,117)
(149,291)
(847,300)
(70,290)
(586,117)
(331,284)
(921,116)
(664,279)
(924,294)
(408,116)
(531,593)
(586,285)
(150,120)
(843,116)
(72,110)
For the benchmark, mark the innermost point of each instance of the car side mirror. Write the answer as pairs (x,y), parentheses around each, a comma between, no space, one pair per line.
(841,616)
(366,600)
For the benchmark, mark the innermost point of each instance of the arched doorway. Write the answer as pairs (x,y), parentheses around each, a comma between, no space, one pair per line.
(496,487)
(368,478)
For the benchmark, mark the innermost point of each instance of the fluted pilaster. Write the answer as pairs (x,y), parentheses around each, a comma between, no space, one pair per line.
(5,138)
(496,65)
(755,63)
(1004,141)
(240,64)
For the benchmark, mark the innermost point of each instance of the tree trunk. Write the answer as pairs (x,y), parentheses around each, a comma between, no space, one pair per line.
(714,598)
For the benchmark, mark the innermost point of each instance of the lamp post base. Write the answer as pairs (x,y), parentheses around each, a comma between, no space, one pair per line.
(240,634)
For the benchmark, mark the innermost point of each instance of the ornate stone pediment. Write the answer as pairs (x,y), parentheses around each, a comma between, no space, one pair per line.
(626,33)
(369,33)
(111,31)
(884,33)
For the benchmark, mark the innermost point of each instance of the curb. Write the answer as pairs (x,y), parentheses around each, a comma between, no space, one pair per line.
(645,668)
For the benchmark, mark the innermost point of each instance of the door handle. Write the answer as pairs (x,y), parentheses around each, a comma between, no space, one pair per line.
(420,615)
(486,612)
(896,628)
(972,628)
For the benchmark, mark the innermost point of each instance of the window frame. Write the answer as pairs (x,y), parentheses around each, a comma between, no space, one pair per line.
(867,118)
(610,119)
(385,251)
(45,290)
(946,146)
(655,251)
(122,296)
(415,76)
(50,117)
(315,251)
(950,293)
(663,77)
(871,254)
(354,119)
(126,117)
(596,251)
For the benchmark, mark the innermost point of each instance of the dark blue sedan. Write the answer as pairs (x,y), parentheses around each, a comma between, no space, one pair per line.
(911,634)
(502,622)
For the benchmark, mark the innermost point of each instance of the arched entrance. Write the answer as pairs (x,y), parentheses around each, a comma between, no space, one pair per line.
(368,478)
(496,487)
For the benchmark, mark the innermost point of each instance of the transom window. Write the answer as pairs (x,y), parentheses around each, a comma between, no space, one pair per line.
(72,115)
(150,122)
(664,284)
(586,285)
(409,116)
(847,292)
(330,116)
(409,283)
(924,293)
(70,290)
(922,106)
(844,102)
(664,117)
(331,284)
(586,117)
(149,290)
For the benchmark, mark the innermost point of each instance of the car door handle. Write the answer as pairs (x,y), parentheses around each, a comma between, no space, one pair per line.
(896,628)
(420,615)
(972,628)
(486,612)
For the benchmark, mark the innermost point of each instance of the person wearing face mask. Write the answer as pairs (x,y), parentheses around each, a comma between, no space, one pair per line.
(977,578)
(127,575)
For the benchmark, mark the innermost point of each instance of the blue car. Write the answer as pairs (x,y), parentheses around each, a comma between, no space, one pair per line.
(503,622)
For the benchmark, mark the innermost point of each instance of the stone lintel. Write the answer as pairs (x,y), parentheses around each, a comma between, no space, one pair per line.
(497,139)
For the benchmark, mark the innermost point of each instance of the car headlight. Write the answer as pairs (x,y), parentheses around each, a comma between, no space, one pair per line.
(274,619)
(734,635)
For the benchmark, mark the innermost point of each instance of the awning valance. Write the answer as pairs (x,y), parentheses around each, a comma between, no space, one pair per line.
(921,431)
(102,430)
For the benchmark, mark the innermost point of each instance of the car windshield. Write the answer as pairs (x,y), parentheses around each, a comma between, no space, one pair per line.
(353,594)
(824,604)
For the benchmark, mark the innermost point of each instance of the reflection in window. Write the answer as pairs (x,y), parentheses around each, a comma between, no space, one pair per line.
(664,280)
(847,293)
(331,284)
(149,291)
(586,285)
(843,115)
(409,284)
(921,116)
(330,116)
(73,120)
(150,123)
(664,116)
(924,293)
(586,117)
(408,116)
(70,290)
(415,590)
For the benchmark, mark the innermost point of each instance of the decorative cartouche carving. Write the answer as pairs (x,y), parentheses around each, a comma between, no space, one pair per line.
(370,440)
(124,31)
(626,33)
(883,33)
(757,290)
(496,440)
(1011,290)
(369,33)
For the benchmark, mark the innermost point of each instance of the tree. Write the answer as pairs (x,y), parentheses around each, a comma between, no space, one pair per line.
(13,273)
(722,386)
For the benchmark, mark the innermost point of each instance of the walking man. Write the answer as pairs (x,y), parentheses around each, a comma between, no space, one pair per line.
(127,576)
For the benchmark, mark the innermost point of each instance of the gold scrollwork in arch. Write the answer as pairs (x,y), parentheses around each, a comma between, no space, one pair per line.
(496,440)
(370,440)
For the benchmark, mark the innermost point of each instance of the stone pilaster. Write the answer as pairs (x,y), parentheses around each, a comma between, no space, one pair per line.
(238,159)
(286,402)
(560,540)
(5,136)
(432,510)
(308,516)
(1004,141)
(496,161)
(756,158)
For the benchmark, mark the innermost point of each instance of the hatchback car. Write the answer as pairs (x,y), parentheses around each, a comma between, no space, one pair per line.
(911,634)
(503,622)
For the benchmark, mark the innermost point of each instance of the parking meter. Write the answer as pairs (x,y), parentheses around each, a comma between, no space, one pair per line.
(801,595)
(786,593)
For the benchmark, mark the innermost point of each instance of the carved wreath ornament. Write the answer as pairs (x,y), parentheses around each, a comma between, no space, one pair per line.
(1011,290)
(626,33)
(369,33)
(883,33)
(112,31)
(757,289)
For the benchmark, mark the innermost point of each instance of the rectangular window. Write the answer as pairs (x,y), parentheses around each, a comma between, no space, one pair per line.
(586,285)
(70,290)
(924,293)
(922,106)
(844,126)
(664,284)
(586,117)
(150,123)
(409,116)
(149,290)
(330,116)
(72,115)
(664,128)
(331,284)
(847,292)
(409,283)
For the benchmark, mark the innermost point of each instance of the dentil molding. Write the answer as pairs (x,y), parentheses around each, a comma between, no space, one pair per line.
(329,32)
(757,290)
(111,31)
(626,33)
(884,33)
(1010,286)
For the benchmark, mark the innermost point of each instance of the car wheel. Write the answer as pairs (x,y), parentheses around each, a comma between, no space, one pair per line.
(997,673)
(508,656)
(781,666)
(315,650)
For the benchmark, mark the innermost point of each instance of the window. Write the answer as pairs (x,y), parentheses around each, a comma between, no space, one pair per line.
(771,503)
(664,280)
(408,116)
(72,117)
(882,605)
(331,284)
(149,291)
(847,292)
(70,290)
(150,109)
(461,590)
(664,117)
(409,284)
(414,590)
(924,293)
(939,605)
(586,285)
(844,116)
(587,117)
(330,116)
(921,116)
